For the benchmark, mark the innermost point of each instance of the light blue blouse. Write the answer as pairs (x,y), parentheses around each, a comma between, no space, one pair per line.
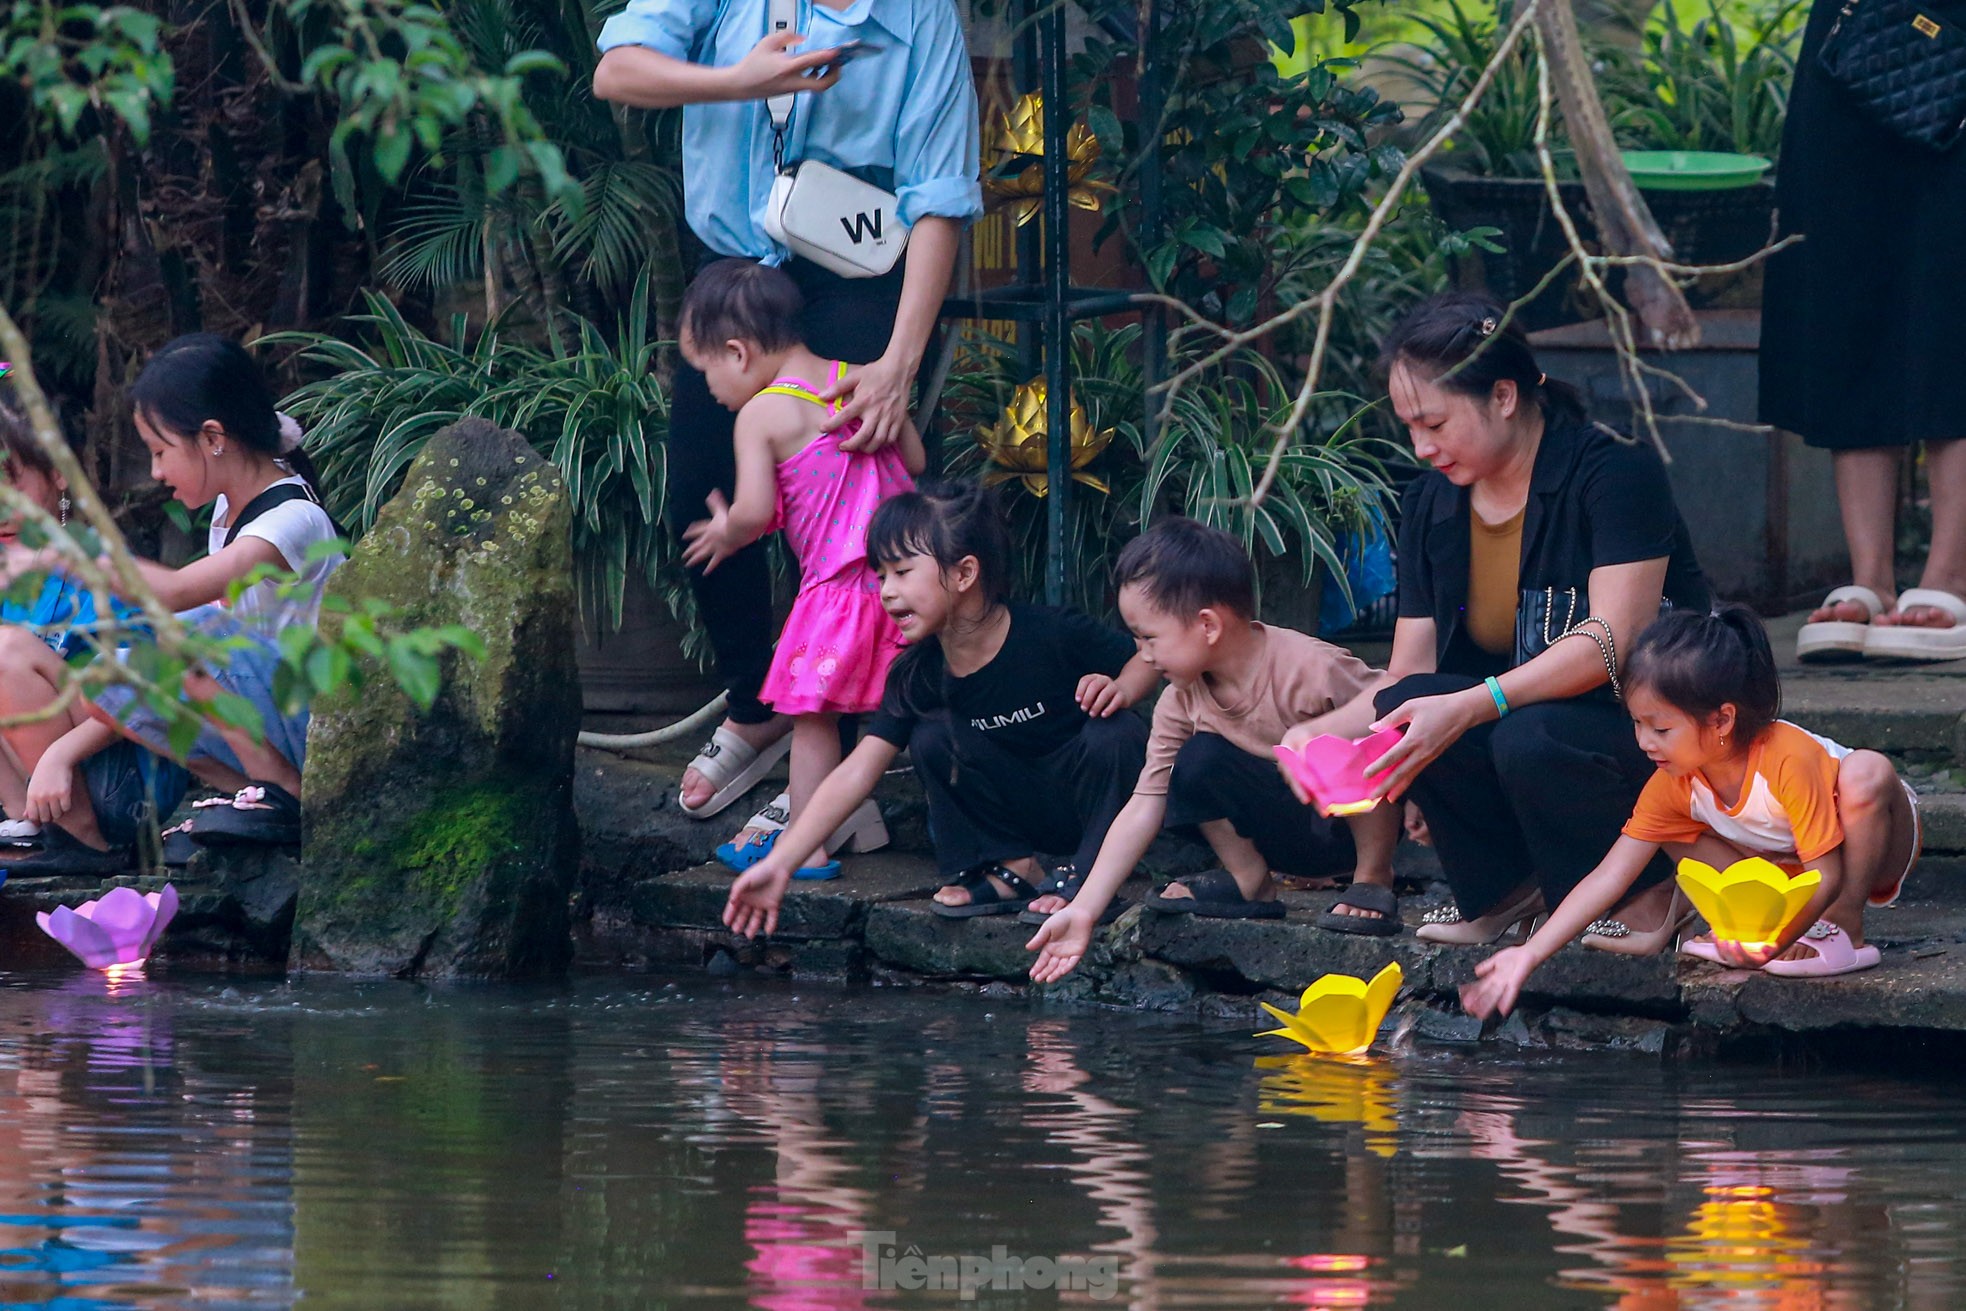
(906,112)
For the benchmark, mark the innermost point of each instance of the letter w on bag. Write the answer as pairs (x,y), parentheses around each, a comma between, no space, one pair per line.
(861,226)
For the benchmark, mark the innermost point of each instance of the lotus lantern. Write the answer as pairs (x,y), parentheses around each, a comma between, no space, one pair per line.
(1752,901)
(118,929)
(1014,169)
(1332,769)
(1339,1015)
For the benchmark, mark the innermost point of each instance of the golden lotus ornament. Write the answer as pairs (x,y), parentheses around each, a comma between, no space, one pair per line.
(1339,1015)
(1751,902)
(1017,443)
(1019,135)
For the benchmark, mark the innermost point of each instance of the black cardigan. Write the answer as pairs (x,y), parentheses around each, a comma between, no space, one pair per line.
(1594,500)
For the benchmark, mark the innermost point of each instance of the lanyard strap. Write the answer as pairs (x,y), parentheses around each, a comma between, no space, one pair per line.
(780,16)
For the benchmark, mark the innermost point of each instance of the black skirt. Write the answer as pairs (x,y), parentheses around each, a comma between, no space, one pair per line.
(1863,322)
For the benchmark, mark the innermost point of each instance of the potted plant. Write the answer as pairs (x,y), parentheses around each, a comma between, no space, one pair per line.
(1711,86)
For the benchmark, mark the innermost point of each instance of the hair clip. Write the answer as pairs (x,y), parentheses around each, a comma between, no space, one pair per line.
(1487,328)
(5,368)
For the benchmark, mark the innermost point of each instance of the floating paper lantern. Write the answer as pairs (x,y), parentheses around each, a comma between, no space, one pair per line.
(118,929)
(1019,134)
(1332,769)
(1017,441)
(1751,902)
(1339,1014)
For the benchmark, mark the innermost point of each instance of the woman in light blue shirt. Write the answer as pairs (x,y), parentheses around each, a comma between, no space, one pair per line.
(901,115)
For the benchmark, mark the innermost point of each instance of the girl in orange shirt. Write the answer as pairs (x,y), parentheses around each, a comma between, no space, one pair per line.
(1734,781)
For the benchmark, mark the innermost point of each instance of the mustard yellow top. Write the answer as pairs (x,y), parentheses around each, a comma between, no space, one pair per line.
(1494,571)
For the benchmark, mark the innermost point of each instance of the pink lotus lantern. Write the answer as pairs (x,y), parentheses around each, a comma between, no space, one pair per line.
(119,929)
(1332,770)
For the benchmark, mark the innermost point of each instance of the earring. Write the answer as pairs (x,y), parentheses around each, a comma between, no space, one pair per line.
(64,512)
(218,450)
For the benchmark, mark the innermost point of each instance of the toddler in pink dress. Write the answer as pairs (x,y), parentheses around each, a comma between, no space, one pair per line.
(740,328)
(837,644)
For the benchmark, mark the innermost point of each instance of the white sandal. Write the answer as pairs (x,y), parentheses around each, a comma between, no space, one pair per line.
(1910,642)
(1839,639)
(733,767)
(863,831)
(20,833)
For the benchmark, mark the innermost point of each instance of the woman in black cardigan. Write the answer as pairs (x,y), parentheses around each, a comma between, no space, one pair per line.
(1530,556)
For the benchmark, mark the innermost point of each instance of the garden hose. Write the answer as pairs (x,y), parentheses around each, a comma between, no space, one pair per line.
(693,723)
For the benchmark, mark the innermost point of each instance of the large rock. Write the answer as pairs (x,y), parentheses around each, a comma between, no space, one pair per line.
(444,844)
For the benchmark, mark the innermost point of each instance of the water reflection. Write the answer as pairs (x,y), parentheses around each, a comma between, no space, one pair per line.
(170,1142)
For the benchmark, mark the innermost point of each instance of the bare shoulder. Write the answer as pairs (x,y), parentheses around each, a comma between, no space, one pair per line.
(782,423)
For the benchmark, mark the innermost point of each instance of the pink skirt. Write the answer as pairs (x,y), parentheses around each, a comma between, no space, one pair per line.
(834,653)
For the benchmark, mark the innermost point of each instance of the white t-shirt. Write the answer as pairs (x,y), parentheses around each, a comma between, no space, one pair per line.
(294,528)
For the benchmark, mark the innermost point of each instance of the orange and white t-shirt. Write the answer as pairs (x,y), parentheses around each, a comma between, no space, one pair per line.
(1786,811)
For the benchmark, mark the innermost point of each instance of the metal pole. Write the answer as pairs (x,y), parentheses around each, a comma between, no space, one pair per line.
(1024,64)
(1153,103)
(1057,319)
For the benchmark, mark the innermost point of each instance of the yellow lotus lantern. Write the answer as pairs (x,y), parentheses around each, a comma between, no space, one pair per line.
(1751,902)
(1019,135)
(1339,1014)
(1017,444)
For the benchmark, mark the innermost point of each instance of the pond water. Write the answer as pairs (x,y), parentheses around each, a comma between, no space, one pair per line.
(192,1141)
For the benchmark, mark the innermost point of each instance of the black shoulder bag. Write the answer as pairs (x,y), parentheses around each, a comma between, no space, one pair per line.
(1905,66)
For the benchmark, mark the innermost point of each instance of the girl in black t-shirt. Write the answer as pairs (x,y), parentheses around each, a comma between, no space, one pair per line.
(1010,713)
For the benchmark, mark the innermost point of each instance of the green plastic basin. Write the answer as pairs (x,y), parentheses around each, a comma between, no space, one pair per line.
(1693,170)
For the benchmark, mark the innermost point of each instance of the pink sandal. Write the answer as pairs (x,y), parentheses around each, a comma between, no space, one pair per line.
(1834,955)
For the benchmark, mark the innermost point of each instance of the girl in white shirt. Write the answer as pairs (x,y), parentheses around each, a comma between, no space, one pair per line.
(206,417)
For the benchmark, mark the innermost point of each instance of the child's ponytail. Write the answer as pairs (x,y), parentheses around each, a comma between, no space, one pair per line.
(204,378)
(1701,662)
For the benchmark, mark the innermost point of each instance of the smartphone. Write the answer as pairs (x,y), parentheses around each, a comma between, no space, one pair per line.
(851,51)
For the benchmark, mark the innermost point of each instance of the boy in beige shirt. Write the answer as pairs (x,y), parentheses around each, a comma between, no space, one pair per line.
(1187,591)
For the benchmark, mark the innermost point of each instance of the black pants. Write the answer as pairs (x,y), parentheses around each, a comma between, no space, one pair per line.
(845,318)
(1216,779)
(987,804)
(1541,794)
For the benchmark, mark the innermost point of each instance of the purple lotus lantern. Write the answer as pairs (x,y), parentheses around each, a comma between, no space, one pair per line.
(1332,770)
(118,929)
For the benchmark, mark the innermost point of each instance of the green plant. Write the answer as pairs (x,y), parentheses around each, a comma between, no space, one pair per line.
(1499,139)
(1241,149)
(1204,461)
(600,412)
(1720,83)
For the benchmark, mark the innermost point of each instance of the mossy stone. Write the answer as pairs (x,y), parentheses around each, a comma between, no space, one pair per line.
(444,843)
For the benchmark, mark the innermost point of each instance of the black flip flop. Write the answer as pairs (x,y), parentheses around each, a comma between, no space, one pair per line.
(262,813)
(1065,881)
(984,899)
(1215,896)
(62,854)
(1382,923)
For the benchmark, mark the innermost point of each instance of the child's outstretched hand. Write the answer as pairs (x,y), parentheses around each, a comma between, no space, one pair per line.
(1746,955)
(1101,695)
(706,542)
(755,898)
(1498,982)
(1061,942)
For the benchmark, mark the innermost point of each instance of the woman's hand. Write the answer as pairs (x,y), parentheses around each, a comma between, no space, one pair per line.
(771,70)
(1498,982)
(877,395)
(1432,724)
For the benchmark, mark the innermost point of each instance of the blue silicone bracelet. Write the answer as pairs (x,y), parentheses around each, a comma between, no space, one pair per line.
(1495,690)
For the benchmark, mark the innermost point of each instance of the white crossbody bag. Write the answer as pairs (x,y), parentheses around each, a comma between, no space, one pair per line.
(820,213)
